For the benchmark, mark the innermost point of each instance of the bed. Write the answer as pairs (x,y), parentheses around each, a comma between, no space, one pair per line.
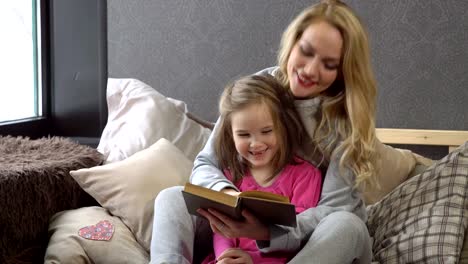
(449,138)
(155,139)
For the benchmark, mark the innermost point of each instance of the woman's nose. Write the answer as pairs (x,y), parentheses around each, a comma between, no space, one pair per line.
(311,68)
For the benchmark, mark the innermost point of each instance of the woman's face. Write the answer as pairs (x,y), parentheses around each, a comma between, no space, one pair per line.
(314,61)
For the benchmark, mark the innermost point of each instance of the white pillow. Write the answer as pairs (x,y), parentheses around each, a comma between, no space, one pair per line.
(128,188)
(138,116)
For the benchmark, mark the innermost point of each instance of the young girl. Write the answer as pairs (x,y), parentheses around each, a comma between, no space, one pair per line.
(259,132)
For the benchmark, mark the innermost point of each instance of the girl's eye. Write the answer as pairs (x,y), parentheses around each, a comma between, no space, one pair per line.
(243,135)
(267,131)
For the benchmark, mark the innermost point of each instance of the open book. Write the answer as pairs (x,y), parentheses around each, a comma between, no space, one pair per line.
(268,207)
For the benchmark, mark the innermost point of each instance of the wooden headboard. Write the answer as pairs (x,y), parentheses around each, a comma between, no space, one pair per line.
(450,138)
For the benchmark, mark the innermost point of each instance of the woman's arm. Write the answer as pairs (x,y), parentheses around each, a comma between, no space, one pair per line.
(337,194)
(205,171)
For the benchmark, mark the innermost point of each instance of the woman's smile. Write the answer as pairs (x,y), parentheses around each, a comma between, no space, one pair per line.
(304,81)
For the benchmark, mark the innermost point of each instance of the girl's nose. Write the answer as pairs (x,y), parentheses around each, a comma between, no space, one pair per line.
(255,144)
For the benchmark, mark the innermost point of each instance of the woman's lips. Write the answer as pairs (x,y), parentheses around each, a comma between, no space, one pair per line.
(305,82)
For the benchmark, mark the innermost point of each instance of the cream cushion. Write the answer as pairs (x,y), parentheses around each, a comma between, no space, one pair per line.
(138,116)
(393,168)
(128,188)
(66,246)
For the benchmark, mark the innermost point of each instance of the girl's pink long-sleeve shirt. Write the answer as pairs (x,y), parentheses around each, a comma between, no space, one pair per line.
(300,182)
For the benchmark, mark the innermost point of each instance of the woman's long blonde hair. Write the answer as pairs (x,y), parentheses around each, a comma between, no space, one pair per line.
(348,107)
(248,91)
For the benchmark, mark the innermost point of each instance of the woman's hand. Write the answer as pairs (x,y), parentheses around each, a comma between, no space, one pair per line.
(250,227)
(230,191)
(234,255)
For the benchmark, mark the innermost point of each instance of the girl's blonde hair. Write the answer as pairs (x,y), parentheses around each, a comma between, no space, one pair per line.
(245,92)
(348,107)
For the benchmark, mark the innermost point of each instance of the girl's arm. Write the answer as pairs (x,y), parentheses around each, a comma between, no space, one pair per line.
(306,185)
(337,194)
(221,244)
(205,171)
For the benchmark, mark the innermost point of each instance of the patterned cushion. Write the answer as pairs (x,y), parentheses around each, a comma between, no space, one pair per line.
(424,219)
(464,252)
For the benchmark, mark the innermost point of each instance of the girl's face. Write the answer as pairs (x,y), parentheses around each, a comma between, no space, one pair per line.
(254,134)
(315,60)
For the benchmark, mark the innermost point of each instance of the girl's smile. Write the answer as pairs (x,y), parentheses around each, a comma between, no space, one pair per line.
(254,135)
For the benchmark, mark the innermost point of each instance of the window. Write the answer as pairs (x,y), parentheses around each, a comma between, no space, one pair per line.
(37,97)
(20,66)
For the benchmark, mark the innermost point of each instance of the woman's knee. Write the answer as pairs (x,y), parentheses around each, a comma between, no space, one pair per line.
(348,225)
(340,237)
(169,197)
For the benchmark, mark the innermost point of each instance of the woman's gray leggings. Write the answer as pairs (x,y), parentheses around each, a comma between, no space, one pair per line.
(341,237)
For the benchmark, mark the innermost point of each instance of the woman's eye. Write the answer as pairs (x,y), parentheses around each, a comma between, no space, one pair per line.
(267,131)
(243,135)
(331,67)
(306,52)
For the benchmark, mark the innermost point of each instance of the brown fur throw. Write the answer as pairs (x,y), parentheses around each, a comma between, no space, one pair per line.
(34,185)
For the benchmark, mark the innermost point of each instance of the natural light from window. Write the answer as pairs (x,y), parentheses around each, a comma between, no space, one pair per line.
(20,57)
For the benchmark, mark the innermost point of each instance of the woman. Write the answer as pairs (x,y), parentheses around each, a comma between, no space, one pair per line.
(324,60)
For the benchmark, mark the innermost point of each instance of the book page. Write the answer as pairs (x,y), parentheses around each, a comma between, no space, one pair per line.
(209,194)
(268,207)
(264,196)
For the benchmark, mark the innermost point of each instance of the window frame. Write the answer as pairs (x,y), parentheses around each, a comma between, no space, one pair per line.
(63,114)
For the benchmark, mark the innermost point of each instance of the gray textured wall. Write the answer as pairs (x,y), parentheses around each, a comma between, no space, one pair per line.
(189,49)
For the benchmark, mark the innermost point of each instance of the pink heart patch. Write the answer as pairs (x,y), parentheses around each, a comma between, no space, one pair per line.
(103,230)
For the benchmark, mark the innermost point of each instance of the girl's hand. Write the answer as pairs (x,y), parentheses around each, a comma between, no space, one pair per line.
(235,255)
(250,227)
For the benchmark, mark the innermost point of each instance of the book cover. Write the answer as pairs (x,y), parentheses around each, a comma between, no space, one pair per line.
(268,207)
